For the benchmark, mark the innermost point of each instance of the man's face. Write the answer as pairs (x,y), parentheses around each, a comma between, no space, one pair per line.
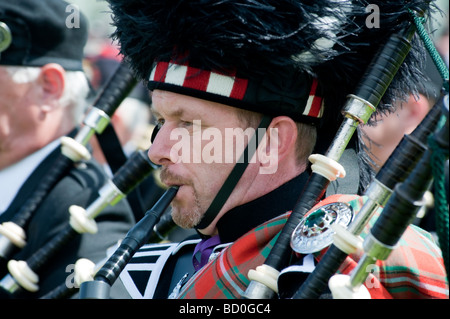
(16,113)
(192,135)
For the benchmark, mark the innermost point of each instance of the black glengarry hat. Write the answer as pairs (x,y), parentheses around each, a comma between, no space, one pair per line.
(43,31)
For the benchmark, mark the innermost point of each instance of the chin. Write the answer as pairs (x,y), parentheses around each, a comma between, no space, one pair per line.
(186,218)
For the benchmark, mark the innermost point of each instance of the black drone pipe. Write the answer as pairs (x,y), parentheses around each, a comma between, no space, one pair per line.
(358,109)
(137,236)
(12,234)
(397,215)
(395,170)
(131,174)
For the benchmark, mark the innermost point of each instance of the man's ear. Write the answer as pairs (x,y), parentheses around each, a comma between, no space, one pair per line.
(279,144)
(282,134)
(52,80)
(416,110)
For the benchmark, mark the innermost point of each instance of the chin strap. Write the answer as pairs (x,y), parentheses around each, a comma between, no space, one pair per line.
(234,176)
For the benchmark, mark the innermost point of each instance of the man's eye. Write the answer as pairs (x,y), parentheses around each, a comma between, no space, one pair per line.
(159,123)
(186,123)
(158,126)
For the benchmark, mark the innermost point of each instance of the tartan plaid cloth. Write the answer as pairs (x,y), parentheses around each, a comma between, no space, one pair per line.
(415,269)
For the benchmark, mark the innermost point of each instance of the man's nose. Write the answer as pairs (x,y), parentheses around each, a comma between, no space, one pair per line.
(159,151)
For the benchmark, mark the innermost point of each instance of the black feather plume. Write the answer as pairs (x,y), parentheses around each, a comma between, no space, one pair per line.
(255,36)
(222,34)
(329,39)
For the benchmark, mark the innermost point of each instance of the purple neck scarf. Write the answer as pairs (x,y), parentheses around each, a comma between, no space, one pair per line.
(203,250)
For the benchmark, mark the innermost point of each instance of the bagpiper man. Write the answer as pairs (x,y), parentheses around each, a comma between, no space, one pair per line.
(282,69)
(43,91)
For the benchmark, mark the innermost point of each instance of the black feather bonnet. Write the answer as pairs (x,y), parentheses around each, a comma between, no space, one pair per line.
(265,56)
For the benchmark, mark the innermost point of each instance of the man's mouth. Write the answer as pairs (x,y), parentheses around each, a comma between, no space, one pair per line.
(171,184)
(171,180)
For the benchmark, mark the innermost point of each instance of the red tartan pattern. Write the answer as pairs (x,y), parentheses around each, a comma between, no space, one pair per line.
(414,269)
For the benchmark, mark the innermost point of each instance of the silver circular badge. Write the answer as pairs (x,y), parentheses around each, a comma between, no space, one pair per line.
(5,36)
(314,233)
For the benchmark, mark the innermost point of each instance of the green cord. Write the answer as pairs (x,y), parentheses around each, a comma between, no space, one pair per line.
(437,59)
(438,157)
